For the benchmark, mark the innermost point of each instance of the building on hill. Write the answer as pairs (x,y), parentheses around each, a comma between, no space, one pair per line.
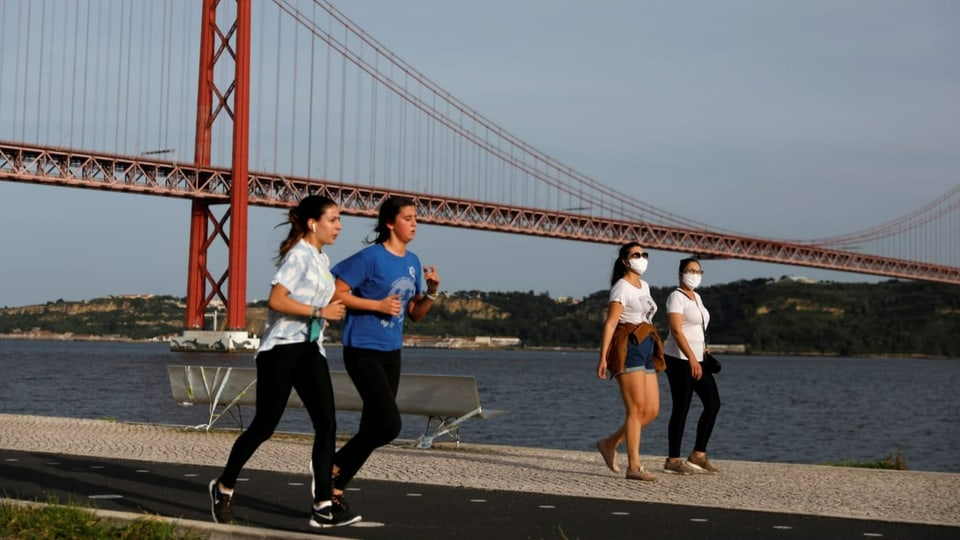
(477,342)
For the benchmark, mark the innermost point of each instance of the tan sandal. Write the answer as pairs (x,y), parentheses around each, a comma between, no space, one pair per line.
(609,455)
(641,474)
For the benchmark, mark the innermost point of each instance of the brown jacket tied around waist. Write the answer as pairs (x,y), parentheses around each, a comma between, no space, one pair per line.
(617,353)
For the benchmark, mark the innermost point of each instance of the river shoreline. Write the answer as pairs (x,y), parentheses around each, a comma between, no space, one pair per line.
(123,339)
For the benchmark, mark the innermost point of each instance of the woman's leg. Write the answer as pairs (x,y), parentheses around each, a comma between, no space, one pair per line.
(376,374)
(651,399)
(614,439)
(706,389)
(632,389)
(274,382)
(608,449)
(313,385)
(681,392)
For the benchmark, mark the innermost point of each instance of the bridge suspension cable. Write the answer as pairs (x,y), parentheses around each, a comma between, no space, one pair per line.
(584,193)
(942,205)
(338,112)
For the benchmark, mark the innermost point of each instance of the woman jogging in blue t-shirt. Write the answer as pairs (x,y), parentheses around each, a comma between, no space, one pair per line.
(380,285)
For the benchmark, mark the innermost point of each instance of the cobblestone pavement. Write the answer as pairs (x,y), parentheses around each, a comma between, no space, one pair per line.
(885,495)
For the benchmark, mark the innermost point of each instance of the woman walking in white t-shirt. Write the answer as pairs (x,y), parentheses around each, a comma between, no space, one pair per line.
(628,348)
(684,351)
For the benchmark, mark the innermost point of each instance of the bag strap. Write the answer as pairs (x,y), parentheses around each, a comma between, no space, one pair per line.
(703,318)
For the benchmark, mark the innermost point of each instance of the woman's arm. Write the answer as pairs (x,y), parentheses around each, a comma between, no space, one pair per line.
(419,305)
(281,302)
(614,310)
(389,305)
(676,330)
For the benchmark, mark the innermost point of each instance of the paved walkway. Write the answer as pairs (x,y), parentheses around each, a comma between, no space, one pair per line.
(882,495)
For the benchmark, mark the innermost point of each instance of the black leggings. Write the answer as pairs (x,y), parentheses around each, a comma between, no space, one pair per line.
(280,369)
(682,387)
(376,374)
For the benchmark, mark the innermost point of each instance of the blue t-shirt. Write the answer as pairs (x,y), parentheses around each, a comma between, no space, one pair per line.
(375,273)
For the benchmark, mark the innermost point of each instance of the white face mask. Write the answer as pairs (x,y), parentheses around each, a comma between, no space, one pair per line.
(692,280)
(638,265)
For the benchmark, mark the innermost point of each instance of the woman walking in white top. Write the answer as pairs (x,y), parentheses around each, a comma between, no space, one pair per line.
(630,305)
(684,352)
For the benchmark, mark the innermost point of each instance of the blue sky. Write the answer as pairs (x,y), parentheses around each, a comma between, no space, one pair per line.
(794,119)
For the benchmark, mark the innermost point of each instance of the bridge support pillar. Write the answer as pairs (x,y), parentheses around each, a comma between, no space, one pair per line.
(230,288)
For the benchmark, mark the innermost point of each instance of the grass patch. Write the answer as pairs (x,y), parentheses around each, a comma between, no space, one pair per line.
(28,522)
(894,461)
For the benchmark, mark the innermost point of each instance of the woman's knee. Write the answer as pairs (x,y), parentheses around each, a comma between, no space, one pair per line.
(258,433)
(637,412)
(649,413)
(652,411)
(392,427)
(385,437)
(714,407)
(385,431)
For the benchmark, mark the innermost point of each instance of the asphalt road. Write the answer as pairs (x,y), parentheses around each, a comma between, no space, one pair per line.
(395,510)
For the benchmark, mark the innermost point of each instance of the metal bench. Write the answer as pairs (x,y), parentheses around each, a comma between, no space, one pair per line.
(446,401)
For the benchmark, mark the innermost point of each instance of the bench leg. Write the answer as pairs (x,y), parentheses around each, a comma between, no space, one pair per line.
(215,388)
(443,428)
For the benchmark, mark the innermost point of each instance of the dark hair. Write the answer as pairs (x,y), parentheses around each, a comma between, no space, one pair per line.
(619,269)
(389,209)
(684,263)
(310,207)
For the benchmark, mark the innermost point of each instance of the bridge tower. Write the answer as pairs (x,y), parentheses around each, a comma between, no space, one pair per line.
(219,46)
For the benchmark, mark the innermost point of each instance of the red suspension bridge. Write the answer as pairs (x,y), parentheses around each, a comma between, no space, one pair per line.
(102,94)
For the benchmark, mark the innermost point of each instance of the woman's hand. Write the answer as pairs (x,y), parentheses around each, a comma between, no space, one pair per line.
(390,305)
(695,370)
(334,311)
(432,278)
(602,368)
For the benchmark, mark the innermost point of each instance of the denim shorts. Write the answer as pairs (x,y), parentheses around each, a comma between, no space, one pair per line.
(640,356)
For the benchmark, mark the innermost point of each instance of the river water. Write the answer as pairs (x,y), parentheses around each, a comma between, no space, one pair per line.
(775,409)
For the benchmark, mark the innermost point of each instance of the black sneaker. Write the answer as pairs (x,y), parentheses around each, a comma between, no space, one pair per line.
(221,504)
(335,515)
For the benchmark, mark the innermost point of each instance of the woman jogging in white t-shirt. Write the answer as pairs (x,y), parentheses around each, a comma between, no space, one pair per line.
(291,355)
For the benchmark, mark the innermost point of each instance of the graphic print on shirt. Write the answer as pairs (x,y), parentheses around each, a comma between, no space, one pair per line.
(406,287)
(649,307)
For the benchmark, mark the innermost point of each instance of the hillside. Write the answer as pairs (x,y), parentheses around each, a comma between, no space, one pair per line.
(766,316)
(116,317)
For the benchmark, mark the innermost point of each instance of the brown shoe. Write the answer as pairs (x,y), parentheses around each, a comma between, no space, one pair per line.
(677,466)
(641,474)
(702,464)
(609,455)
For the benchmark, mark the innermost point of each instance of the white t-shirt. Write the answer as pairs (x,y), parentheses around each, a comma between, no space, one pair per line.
(695,319)
(638,305)
(305,272)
